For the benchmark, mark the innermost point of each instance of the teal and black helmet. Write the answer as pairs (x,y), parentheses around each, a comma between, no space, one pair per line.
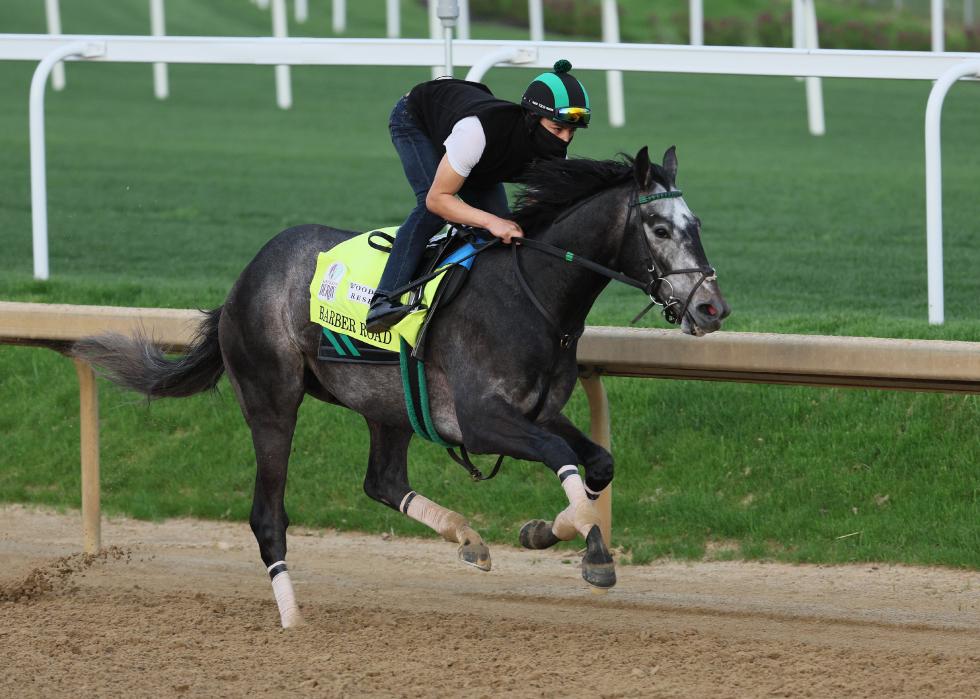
(559,96)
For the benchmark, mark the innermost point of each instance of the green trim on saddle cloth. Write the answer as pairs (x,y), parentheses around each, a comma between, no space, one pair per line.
(341,290)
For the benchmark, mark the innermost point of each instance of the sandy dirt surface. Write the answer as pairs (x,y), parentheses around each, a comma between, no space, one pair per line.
(184,608)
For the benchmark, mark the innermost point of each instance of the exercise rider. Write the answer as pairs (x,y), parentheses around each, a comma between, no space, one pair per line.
(458,144)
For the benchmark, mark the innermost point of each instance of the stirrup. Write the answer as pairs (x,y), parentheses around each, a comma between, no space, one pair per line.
(383,314)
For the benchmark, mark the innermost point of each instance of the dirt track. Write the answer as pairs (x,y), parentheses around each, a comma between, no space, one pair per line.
(183,608)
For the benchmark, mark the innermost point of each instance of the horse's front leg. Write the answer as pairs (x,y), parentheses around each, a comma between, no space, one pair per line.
(598,463)
(387,482)
(501,430)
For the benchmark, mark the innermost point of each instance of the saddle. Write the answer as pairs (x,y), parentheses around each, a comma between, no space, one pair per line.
(346,279)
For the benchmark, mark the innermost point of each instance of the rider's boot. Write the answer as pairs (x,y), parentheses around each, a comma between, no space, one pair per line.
(383,314)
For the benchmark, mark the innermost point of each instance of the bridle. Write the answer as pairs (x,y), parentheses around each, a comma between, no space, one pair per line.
(671,313)
(669,310)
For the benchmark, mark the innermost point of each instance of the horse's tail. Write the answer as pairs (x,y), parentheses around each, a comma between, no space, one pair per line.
(137,364)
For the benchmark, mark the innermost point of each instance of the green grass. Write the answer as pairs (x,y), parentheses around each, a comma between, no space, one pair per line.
(162,203)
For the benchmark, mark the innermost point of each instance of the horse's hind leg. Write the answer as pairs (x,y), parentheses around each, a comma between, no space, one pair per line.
(387,482)
(272,437)
(270,394)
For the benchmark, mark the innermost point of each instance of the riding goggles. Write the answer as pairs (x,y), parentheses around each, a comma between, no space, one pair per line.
(573,116)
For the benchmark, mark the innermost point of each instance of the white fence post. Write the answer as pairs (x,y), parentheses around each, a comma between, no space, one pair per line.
(448,11)
(435,32)
(39,182)
(52,11)
(158,27)
(614,78)
(535,17)
(798,28)
(938,26)
(968,16)
(463,26)
(814,86)
(934,186)
(301,11)
(696,22)
(284,87)
(393,20)
(339,16)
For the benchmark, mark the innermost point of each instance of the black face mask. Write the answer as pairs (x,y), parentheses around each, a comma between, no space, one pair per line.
(546,145)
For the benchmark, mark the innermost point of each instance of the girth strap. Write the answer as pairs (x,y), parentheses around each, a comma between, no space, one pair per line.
(420,415)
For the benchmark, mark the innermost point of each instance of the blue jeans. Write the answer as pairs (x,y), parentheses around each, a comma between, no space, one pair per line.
(420,158)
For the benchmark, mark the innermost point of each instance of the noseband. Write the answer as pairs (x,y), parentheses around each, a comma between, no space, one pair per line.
(670,311)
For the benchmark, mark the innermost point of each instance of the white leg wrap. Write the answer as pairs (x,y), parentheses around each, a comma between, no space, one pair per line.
(593,494)
(580,515)
(446,522)
(282,588)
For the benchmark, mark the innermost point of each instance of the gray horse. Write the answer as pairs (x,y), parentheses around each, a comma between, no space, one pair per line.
(497,375)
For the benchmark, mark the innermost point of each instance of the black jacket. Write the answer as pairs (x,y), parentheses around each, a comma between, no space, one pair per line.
(438,104)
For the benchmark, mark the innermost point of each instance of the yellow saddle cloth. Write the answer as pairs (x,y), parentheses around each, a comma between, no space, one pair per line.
(344,283)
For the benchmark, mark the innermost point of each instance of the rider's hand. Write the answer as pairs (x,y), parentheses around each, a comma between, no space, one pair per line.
(505,230)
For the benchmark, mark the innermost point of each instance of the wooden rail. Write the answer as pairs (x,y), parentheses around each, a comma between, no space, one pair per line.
(811,360)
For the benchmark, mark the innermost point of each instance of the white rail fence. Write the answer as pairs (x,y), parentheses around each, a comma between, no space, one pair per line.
(457,15)
(945,68)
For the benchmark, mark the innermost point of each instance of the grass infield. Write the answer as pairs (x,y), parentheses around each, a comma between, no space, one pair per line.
(162,204)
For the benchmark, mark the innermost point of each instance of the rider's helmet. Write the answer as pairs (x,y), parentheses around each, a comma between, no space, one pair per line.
(559,96)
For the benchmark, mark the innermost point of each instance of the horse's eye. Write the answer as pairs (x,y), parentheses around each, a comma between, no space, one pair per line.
(661,231)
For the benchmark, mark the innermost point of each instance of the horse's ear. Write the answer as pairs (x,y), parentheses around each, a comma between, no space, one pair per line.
(641,168)
(670,163)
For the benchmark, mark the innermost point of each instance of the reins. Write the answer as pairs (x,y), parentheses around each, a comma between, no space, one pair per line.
(650,288)
(418,283)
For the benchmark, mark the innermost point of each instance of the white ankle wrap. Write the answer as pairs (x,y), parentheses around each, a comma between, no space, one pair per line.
(282,588)
(580,515)
(445,522)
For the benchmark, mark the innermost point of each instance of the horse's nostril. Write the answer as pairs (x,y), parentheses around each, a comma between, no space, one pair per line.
(709,309)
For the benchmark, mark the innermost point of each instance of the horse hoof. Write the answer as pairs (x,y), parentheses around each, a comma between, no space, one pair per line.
(292,620)
(598,568)
(475,554)
(602,576)
(537,535)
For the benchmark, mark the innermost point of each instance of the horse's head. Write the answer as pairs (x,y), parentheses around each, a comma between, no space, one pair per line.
(662,243)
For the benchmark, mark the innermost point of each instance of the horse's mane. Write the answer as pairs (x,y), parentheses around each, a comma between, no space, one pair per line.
(552,186)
